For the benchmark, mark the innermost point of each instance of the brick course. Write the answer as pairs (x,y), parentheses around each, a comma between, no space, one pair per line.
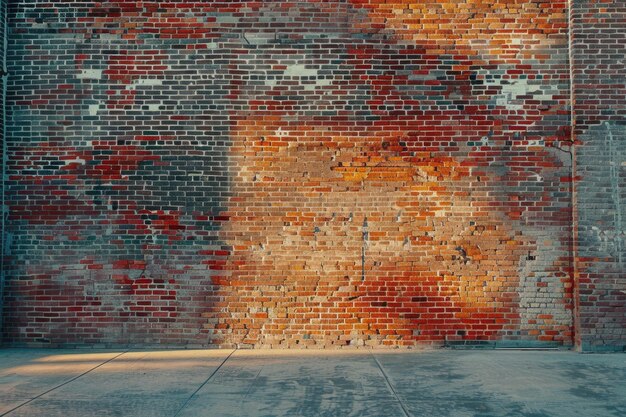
(290,174)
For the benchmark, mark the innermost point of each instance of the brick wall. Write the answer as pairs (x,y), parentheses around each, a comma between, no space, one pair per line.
(298,173)
(3,19)
(599,51)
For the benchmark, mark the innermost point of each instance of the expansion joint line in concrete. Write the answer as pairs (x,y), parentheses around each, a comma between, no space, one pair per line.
(405,411)
(62,384)
(206,381)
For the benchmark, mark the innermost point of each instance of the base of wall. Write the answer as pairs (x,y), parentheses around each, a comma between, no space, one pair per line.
(589,348)
(455,345)
(110,346)
(506,344)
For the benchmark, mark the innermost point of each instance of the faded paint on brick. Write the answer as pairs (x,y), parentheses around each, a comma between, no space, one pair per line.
(289,173)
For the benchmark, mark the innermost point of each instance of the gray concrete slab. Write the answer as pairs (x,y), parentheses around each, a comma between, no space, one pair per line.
(25,374)
(509,383)
(292,383)
(138,383)
(185,383)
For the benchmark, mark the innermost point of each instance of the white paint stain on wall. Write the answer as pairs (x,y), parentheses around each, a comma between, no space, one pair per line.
(510,91)
(300,70)
(147,82)
(89,74)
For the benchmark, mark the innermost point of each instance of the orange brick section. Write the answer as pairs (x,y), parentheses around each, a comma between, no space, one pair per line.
(289,174)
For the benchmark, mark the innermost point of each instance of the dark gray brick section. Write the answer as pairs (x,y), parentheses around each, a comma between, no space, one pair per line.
(598,51)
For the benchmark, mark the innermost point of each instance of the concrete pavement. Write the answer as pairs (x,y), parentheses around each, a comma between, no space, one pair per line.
(255,383)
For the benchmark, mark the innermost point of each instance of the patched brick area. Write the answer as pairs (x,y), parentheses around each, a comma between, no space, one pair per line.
(311,174)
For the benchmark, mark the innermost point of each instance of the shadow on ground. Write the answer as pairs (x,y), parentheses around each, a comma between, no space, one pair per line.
(255,383)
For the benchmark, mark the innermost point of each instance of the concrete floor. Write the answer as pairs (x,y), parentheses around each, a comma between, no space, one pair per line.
(219,383)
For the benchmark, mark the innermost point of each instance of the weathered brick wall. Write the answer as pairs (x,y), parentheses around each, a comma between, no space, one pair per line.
(299,173)
(3,19)
(599,73)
